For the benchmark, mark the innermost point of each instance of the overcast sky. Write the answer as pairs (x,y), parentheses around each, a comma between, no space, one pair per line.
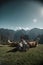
(21,14)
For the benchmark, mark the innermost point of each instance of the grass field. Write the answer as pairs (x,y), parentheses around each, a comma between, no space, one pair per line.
(33,56)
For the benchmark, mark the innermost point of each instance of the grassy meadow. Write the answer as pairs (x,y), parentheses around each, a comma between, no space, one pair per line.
(33,56)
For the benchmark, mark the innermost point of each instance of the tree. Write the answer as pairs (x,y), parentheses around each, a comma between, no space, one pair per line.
(25,37)
(41,39)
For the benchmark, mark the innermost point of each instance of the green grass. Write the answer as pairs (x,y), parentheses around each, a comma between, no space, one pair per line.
(33,56)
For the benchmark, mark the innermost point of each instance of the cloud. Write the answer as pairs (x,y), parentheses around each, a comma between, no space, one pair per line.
(19,28)
(26,28)
(34,20)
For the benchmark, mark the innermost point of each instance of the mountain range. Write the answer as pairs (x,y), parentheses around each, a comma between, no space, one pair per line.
(15,35)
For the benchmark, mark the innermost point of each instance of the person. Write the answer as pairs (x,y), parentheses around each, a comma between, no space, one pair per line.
(20,46)
(25,45)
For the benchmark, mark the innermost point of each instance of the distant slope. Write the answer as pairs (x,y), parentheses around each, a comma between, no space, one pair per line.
(33,56)
(7,33)
(15,35)
(18,34)
(33,33)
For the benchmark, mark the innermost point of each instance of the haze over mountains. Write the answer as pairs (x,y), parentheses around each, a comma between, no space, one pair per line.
(15,35)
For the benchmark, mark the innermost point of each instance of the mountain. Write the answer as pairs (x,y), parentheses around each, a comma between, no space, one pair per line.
(6,34)
(33,33)
(12,35)
(18,34)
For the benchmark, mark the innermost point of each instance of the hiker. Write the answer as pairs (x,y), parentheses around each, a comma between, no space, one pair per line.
(25,45)
(20,46)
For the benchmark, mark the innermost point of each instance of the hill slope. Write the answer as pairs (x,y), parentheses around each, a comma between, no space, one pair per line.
(34,56)
(15,35)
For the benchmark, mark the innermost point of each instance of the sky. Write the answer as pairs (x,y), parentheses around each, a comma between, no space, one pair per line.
(21,14)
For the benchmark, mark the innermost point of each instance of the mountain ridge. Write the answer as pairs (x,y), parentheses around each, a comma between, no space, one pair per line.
(15,35)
